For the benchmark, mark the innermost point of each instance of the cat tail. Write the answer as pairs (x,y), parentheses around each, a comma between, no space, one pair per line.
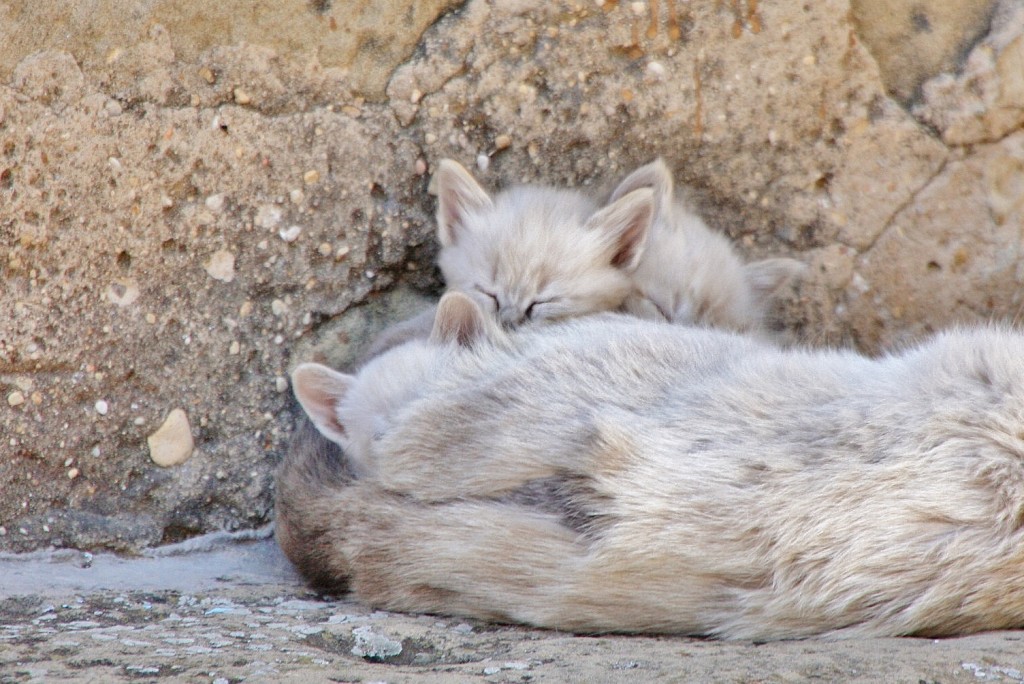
(313,472)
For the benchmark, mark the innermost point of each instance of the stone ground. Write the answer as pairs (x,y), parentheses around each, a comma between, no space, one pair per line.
(195,197)
(221,610)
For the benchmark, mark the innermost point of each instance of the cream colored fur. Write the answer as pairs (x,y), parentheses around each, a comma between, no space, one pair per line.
(531,253)
(690,274)
(613,474)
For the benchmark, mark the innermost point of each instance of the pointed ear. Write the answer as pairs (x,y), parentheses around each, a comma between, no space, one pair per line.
(655,176)
(768,276)
(319,389)
(626,223)
(460,320)
(458,194)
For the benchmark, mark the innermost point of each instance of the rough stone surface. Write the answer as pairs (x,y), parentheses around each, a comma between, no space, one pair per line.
(366,39)
(189,207)
(914,41)
(238,613)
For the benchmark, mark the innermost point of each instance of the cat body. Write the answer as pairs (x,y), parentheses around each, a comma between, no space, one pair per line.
(613,474)
(691,274)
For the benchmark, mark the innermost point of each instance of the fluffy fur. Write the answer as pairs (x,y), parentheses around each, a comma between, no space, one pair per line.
(612,474)
(532,253)
(690,274)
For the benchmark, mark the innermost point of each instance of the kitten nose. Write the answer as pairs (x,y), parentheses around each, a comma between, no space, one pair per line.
(510,317)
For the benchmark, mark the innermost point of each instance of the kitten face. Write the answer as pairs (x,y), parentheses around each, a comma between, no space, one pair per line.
(692,275)
(354,411)
(357,411)
(535,254)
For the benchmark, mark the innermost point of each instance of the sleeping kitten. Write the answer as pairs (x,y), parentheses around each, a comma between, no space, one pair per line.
(691,274)
(704,482)
(531,254)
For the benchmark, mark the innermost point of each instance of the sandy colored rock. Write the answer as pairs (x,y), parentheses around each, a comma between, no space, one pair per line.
(914,41)
(367,39)
(982,101)
(134,151)
(221,266)
(123,292)
(172,443)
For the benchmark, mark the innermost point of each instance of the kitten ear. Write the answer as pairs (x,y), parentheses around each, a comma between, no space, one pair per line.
(768,276)
(460,320)
(655,176)
(319,389)
(458,194)
(626,223)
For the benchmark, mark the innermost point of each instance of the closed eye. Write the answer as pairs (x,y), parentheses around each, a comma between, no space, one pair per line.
(665,314)
(532,308)
(494,297)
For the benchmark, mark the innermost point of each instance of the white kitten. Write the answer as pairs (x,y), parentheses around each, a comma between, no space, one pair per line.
(531,254)
(691,481)
(691,274)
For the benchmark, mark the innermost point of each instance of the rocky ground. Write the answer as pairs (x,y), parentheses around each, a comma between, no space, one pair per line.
(226,611)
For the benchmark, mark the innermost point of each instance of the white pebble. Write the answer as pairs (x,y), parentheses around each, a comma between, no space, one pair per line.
(172,443)
(268,216)
(483,162)
(278,307)
(281,383)
(221,266)
(656,70)
(290,234)
(73,473)
(369,644)
(102,407)
(215,202)
(15,399)
(123,292)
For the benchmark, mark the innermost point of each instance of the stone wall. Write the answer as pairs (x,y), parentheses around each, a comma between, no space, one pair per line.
(191,198)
